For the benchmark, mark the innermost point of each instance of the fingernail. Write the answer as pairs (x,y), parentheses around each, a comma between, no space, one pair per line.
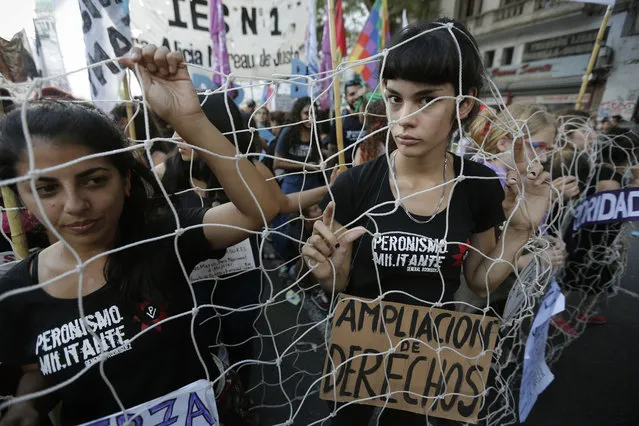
(512,180)
(337,245)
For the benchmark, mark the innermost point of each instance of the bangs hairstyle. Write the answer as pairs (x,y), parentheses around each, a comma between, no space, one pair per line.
(433,57)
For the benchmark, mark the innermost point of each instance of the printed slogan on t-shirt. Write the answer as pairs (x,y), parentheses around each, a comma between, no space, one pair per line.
(410,253)
(436,361)
(71,344)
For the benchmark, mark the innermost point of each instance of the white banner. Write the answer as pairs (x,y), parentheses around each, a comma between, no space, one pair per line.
(106,36)
(192,405)
(263,36)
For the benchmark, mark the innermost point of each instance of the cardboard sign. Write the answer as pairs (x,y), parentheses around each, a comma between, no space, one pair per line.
(416,378)
(192,405)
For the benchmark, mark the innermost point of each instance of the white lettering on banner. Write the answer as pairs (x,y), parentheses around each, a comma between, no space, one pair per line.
(238,258)
(549,68)
(70,344)
(192,405)
(107,35)
(263,36)
(610,206)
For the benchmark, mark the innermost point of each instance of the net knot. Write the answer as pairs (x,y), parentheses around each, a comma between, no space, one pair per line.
(34,174)
(179,232)
(148,144)
(459,99)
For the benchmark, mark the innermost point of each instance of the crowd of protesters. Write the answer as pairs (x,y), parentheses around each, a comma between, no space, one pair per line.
(398,178)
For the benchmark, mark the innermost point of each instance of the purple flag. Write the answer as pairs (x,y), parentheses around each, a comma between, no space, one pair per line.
(325,67)
(218,36)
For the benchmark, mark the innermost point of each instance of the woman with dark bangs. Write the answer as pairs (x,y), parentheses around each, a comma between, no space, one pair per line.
(99,204)
(417,190)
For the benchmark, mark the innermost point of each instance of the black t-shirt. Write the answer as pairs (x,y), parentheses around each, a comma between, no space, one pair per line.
(423,260)
(293,148)
(36,327)
(352,129)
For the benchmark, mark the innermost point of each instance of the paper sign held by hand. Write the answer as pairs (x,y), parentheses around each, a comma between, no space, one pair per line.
(448,384)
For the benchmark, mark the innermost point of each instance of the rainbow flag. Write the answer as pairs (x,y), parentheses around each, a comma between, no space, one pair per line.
(373,38)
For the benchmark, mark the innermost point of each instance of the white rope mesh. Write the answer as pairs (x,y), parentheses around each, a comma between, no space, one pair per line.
(290,340)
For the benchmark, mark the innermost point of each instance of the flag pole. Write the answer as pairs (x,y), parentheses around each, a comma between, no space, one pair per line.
(128,106)
(336,85)
(18,236)
(593,57)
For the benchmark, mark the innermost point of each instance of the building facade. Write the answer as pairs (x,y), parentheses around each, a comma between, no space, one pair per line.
(538,51)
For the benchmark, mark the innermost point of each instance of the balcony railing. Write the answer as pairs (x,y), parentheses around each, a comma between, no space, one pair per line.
(510,11)
(525,12)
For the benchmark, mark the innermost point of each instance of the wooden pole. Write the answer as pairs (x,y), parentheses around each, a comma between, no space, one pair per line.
(337,97)
(129,107)
(18,236)
(593,57)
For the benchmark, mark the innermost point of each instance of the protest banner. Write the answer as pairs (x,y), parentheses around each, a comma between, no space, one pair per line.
(263,36)
(16,62)
(536,375)
(107,36)
(621,205)
(439,363)
(191,405)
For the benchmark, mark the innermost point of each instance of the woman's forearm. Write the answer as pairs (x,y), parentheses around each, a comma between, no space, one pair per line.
(230,171)
(287,165)
(304,199)
(494,269)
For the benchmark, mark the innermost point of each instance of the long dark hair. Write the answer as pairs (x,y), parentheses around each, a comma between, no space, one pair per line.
(296,116)
(81,124)
(177,175)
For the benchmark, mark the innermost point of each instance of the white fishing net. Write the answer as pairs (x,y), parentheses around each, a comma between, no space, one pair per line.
(290,335)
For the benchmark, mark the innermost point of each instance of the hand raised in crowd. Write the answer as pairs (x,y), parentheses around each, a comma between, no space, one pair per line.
(566,186)
(527,190)
(557,252)
(330,243)
(165,78)
(335,174)
(635,175)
